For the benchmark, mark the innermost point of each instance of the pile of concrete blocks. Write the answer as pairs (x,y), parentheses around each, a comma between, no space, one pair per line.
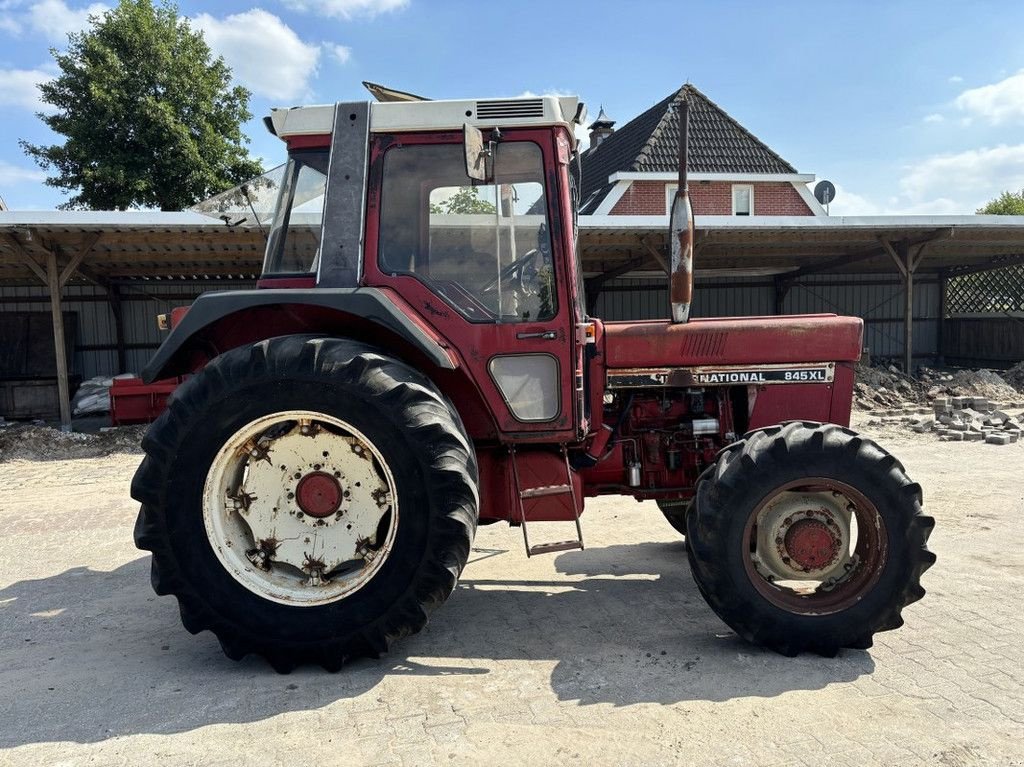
(970,419)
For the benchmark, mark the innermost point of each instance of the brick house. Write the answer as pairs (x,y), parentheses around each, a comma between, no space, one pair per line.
(632,171)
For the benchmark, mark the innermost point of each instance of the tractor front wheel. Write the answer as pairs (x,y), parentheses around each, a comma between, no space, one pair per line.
(808,537)
(307,499)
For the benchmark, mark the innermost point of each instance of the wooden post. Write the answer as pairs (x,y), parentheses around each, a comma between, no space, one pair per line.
(117,309)
(782,287)
(907,265)
(53,285)
(55,278)
(908,308)
(940,342)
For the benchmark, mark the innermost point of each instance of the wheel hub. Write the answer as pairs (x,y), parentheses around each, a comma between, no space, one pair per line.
(300,507)
(803,536)
(318,494)
(810,544)
(814,545)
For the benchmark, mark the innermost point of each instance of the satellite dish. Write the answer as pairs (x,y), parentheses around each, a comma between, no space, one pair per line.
(824,192)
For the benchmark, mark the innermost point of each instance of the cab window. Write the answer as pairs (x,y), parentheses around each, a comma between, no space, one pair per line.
(484,248)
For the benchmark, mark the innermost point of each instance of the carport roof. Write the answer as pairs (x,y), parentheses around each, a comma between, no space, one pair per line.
(810,244)
(155,245)
(127,245)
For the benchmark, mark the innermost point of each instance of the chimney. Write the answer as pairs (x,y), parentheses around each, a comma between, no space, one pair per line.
(600,129)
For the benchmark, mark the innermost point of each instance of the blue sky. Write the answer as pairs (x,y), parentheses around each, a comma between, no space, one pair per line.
(909,107)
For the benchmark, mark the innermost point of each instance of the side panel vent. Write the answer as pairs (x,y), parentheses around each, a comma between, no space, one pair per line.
(510,109)
(706,346)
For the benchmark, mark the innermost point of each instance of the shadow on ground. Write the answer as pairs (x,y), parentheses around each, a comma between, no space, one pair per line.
(91,655)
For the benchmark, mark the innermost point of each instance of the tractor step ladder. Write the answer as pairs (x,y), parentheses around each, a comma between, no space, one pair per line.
(541,492)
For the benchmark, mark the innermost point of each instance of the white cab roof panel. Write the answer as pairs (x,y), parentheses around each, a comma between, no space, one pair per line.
(397,116)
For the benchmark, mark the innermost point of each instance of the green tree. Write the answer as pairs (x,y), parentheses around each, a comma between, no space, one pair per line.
(1006,204)
(466,200)
(149,117)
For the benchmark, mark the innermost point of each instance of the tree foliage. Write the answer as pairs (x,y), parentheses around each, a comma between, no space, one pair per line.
(149,116)
(466,200)
(1006,204)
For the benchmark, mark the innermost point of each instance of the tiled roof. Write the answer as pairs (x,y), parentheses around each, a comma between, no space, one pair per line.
(650,143)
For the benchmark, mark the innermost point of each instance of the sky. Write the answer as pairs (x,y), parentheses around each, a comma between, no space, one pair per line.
(907,107)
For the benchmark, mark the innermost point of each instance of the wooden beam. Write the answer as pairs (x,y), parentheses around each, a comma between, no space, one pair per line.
(76,259)
(59,348)
(837,262)
(592,286)
(996,263)
(896,258)
(19,250)
(655,255)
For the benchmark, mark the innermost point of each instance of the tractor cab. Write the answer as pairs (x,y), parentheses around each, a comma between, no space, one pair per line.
(465,211)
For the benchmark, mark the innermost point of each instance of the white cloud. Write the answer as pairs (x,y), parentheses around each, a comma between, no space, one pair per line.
(998,103)
(265,53)
(340,53)
(934,118)
(55,19)
(847,203)
(947,184)
(962,182)
(955,79)
(347,9)
(11,175)
(19,88)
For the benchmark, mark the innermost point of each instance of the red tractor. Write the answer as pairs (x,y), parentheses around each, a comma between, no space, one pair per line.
(417,360)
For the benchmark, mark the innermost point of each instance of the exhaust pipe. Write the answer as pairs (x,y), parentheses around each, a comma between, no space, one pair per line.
(681,230)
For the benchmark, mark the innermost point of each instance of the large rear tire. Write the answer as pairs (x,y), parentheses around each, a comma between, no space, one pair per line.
(307,499)
(808,537)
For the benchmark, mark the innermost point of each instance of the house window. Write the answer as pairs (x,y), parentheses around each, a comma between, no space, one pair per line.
(742,200)
(670,196)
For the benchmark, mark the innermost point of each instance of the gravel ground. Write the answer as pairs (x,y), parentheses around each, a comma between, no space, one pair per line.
(603,656)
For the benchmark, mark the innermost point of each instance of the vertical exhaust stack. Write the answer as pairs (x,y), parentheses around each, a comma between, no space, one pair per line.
(681,230)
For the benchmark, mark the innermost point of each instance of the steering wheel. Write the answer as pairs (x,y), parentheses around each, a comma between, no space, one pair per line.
(514,270)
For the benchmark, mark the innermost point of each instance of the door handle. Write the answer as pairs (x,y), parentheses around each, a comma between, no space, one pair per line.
(547,335)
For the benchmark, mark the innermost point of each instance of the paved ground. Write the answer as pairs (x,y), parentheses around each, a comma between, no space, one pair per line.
(603,656)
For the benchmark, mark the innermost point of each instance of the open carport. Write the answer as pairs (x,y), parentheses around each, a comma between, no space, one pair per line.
(113,271)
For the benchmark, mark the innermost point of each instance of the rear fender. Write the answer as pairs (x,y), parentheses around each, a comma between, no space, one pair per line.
(217,322)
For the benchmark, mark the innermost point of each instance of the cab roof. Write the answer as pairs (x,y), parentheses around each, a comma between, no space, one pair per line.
(396,117)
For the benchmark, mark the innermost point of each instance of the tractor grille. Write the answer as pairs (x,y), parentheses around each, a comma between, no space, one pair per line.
(511,109)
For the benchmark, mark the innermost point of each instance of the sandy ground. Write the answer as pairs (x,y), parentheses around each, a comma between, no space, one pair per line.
(604,656)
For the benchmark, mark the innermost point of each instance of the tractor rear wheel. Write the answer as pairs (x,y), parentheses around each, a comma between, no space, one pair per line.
(307,499)
(807,537)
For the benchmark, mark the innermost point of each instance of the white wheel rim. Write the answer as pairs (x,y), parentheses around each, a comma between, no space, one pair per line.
(770,555)
(294,505)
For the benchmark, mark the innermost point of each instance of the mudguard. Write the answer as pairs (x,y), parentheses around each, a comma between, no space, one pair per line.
(371,304)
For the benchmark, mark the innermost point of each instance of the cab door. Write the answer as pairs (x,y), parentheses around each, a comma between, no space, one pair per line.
(483,263)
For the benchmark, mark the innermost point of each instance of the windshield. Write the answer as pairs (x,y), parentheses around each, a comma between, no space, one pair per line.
(484,248)
(293,244)
(249,204)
